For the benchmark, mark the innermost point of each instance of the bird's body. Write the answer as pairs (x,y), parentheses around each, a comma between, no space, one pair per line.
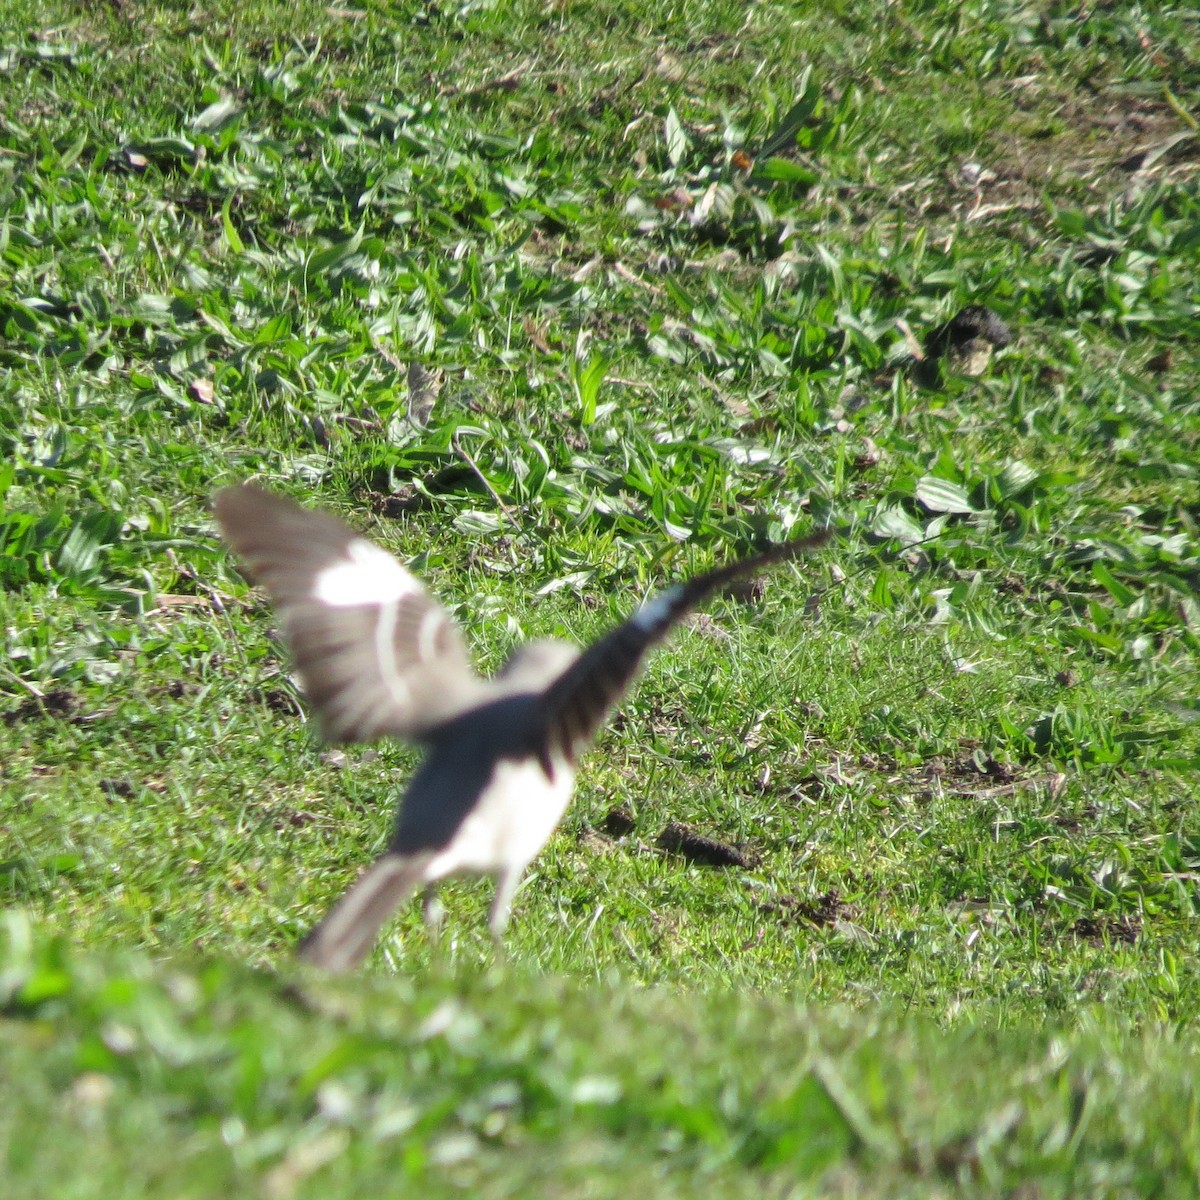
(476,806)
(377,657)
(481,768)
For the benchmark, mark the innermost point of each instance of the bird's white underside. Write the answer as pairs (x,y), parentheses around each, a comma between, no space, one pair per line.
(367,575)
(512,820)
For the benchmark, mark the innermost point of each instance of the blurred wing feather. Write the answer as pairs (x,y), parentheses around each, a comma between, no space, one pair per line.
(577,703)
(376,655)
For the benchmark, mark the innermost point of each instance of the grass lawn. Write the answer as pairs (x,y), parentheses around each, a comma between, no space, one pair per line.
(560,302)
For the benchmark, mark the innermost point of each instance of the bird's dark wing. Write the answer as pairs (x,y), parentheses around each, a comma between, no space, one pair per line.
(375,654)
(576,704)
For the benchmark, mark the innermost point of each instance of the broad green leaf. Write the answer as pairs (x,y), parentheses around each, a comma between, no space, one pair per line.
(336,255)
(587,380)
(80,551)
(940,495)
(1015,478)
(677,140)
(784,170)
(231,234)
(473,521)
(168,151)
(1111,584)
(896,523)
(783,137)
(217,115)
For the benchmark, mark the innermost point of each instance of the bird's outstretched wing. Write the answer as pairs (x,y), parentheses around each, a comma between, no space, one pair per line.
(376,655)
(576,704)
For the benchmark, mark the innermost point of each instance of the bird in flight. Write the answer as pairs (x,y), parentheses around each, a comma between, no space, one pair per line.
(378,657)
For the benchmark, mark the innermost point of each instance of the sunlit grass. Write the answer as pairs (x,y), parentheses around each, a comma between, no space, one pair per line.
(672,279)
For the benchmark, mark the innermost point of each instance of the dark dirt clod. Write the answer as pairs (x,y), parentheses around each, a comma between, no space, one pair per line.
(966,768)
(1012,585)
(1001,771)
(296,819)
(618,821)
(277,699)
(748,591)
(677,838)
(816,910)
(1101,929)
(60,703)
(976,321)
(398,503)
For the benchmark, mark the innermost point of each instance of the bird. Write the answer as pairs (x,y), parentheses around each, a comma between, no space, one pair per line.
(378,657)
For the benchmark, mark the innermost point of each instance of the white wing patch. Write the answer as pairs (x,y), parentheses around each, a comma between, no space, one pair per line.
(654,612)
(367,575)
(431,625)
(385,653)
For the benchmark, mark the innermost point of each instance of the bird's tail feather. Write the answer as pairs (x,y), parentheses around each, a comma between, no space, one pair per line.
(345,937)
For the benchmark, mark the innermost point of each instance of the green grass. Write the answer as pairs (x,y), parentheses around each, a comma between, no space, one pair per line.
(667,272)
(204,1079)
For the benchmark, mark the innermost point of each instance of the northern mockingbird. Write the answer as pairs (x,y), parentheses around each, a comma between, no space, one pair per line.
(377,657)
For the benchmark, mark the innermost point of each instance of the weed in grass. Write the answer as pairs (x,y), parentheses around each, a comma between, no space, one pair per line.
(677,275)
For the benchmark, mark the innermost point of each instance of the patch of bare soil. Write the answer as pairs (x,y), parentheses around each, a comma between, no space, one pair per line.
(60,703)
(1102,140)
(1101,929)
(822,910)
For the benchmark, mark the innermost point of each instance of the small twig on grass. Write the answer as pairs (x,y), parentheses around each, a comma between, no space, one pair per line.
(491,491)
(626,274)
(387,355)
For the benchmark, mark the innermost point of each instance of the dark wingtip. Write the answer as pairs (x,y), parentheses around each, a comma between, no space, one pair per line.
(807,543)
(780,552)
